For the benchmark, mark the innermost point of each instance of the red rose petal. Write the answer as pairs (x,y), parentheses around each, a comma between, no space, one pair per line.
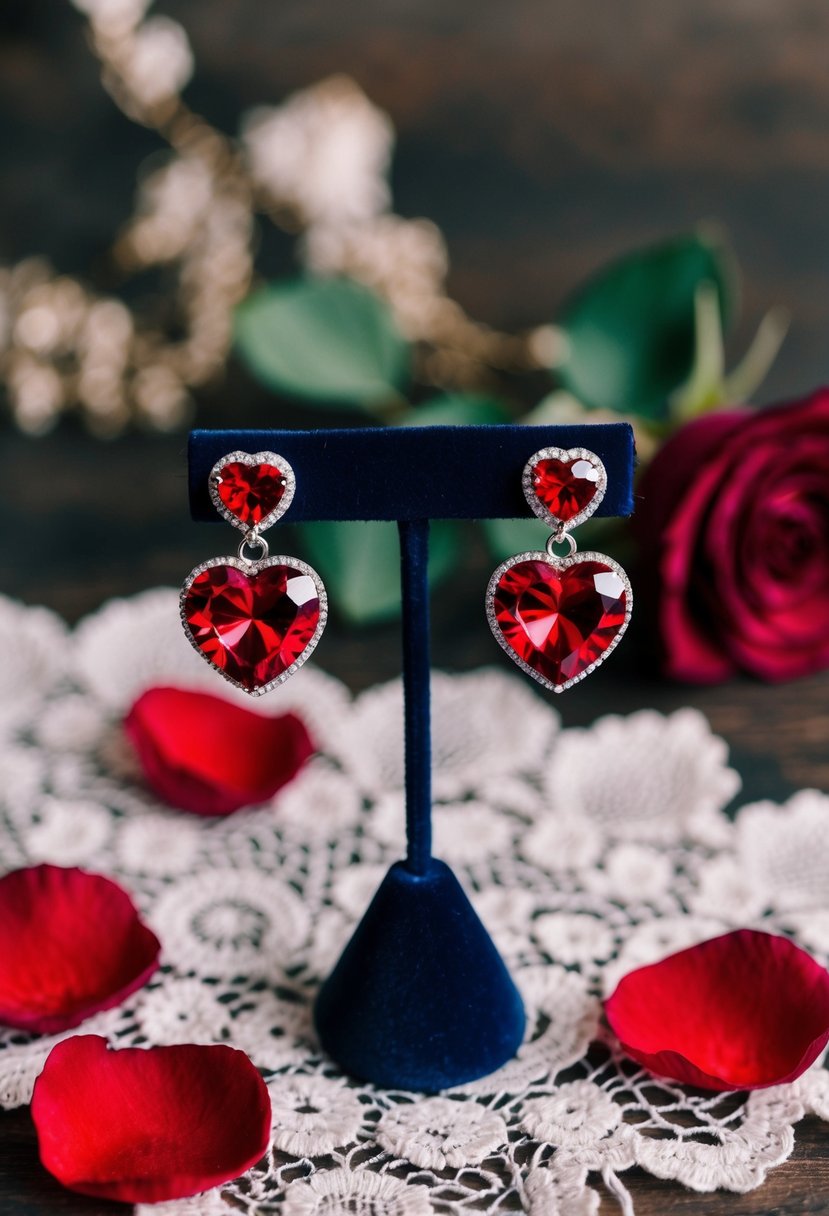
(57,966)
(147,1124)
(201,753)
(741,1011)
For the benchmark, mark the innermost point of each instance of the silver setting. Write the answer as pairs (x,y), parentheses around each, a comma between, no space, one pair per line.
(251,568)
(566,455)
(557,563)
(560,537)
(252,541)
(251,460)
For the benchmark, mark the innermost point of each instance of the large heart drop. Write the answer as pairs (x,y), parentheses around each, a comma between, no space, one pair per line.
(558,618)
(255,622)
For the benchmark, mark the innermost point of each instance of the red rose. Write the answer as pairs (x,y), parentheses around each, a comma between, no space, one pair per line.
(733,523)
(204,754)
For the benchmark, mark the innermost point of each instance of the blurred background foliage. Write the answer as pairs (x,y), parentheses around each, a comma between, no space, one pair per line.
(202,217)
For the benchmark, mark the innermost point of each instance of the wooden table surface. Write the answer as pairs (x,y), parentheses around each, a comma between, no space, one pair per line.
(543,139)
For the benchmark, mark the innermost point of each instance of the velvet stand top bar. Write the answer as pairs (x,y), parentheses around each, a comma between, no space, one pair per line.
(409,473)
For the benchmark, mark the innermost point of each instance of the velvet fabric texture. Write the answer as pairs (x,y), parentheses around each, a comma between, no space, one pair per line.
(429,472)
(414,577)
(420,998)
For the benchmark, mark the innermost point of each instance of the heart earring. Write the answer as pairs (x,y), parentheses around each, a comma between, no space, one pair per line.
(559,617)
(255,618)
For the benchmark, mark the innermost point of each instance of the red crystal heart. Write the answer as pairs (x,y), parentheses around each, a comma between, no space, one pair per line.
(250,492)
(560,620)
(253,626)
(565,487)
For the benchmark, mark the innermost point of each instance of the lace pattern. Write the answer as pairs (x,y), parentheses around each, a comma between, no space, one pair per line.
(586,853)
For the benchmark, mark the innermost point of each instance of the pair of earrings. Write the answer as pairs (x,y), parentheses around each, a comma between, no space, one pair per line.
(257,618)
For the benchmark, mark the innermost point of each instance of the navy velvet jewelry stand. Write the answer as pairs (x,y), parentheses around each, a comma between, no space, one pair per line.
(420,998)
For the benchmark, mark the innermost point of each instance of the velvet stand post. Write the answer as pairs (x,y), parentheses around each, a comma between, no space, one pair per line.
(420,998)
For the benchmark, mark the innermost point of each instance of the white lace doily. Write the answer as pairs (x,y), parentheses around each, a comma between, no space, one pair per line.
(586,852)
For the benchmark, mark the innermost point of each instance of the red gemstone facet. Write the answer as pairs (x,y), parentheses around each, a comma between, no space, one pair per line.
(250,492)
(565,487)
(252,627)
(560,621)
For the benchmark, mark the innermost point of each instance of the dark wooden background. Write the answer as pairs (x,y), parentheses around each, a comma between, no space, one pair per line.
(543,138)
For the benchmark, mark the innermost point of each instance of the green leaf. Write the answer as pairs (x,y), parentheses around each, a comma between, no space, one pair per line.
(558,408)
(360,564)
(743,381)
(631,328)
(457,409)
(506,537)
(709,387)
(703,388)
(328,341)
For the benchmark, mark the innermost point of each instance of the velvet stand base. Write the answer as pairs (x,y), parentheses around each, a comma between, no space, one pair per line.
(420,998)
